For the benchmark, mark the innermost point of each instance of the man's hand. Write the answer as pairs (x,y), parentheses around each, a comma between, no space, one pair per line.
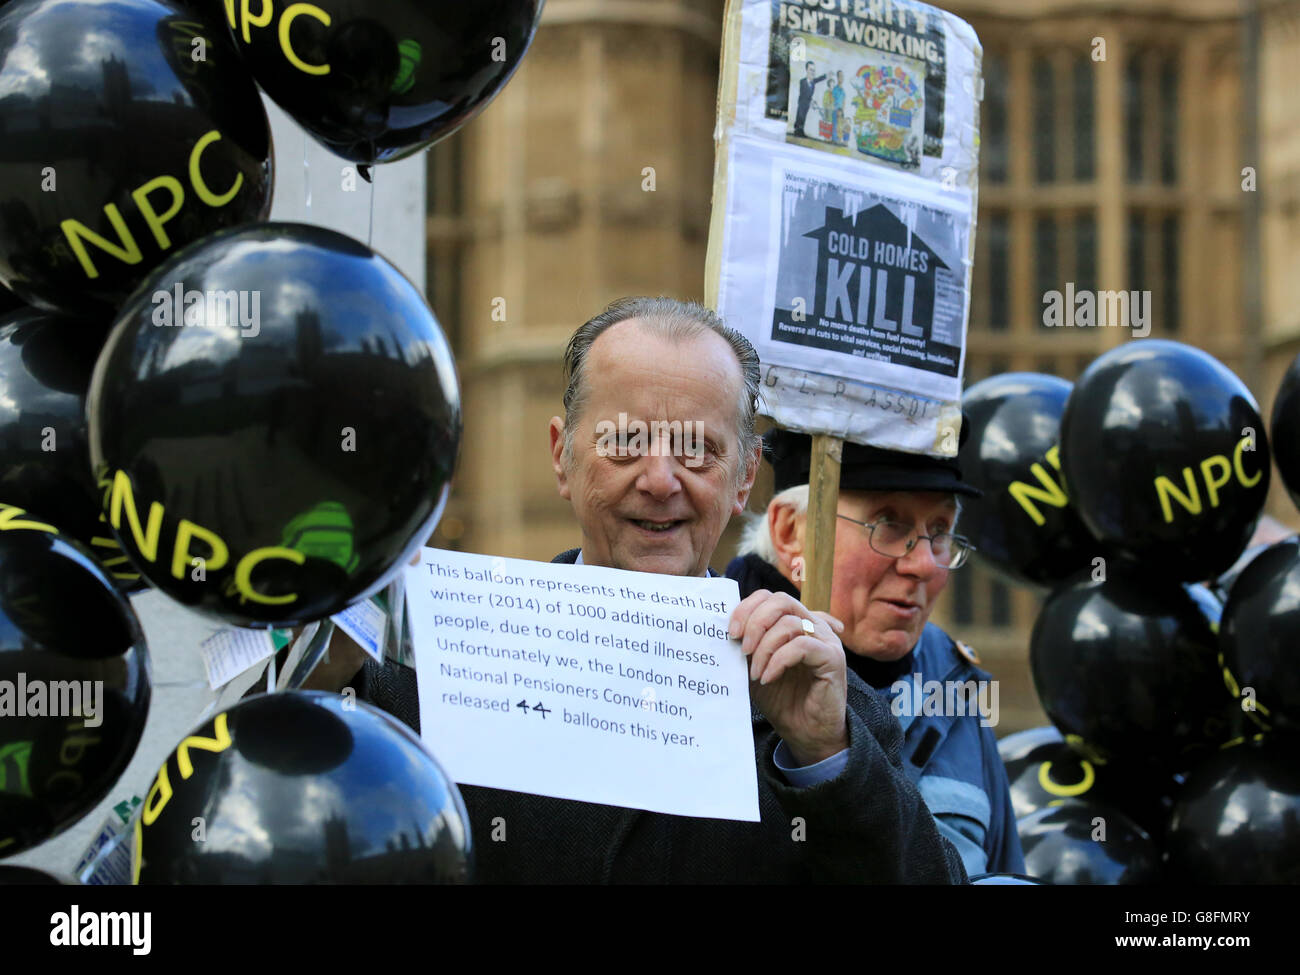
(796,678)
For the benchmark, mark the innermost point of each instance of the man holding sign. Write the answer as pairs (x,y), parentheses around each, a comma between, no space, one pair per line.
(834,803)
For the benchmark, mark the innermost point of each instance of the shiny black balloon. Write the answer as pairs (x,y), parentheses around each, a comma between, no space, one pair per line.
(1237,820)
(45,365)
(1284,431)
(303,788)
(1131,666)
(1165,458)
(375,82)
(1087,843)
(1024,525)
(120,144)
(1004,880)
(74,684)
(1260,635)
(1043,770)
(303,452)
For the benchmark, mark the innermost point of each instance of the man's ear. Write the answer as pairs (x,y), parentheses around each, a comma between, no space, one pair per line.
(787,531)
(557,456)
(747,483)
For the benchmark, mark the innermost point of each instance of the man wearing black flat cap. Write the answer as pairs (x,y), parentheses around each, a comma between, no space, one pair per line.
(895,544)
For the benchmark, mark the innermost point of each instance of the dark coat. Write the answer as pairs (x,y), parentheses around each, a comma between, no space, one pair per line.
(953,759)
(867,825)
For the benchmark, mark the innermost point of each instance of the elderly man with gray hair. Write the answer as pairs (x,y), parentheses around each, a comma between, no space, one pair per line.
(895,544)
(835,804)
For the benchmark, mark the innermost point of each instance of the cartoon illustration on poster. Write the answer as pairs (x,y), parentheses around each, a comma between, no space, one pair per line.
(865,80)
(870,275)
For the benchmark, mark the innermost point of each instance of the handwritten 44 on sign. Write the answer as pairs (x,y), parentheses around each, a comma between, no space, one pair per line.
(625,688)
(537,708)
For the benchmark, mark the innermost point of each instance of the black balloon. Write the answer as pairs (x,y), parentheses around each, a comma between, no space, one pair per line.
(1237,820)
(277,468)
(375,82)
(1024,525)
(1165,458)
(1260,636)
(45,366)
(302,788)
(1284,431)
(1004,880)
(74,683)
(1043,770)
(1131,667)
(117,154)
(1087,843)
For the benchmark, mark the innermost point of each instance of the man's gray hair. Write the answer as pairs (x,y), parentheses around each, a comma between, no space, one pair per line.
(756,536)
(677,321)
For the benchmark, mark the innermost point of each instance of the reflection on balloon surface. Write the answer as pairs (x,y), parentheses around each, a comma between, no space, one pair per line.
(302,787)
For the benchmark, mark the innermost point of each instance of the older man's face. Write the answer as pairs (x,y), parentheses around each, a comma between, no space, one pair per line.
(661,505)
(883,602)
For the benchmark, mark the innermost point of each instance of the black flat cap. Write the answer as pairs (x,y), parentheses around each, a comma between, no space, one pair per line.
(867,468)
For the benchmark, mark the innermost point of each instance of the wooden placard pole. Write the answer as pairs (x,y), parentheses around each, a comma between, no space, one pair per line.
(823,500)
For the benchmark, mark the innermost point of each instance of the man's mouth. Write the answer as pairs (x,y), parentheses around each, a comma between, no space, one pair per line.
(655,526)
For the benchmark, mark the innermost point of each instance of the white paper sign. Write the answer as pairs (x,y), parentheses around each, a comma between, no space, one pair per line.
(229,652)
(365,623)
(584,683)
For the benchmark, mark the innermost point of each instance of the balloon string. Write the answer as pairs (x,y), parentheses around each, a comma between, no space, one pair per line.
(306,174)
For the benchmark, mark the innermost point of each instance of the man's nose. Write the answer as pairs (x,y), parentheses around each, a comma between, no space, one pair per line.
(920,561)
(658,476)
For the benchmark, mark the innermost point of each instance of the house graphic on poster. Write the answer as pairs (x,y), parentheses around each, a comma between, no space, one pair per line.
(873,272)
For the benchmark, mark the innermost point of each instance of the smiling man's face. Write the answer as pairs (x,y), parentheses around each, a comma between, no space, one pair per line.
(663,508)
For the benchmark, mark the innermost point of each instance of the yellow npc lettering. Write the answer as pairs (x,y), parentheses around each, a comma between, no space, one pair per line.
(124,497)
(126,248)
(1165,488)
(292,13)
(1212,484)
(75,230)
(217,744)
(261,20)
(1236,465)
(196,177)
(1050,785)
(151,217)
(244,573)
(1027,494)
(9,521)
(181,554)
(158,797)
